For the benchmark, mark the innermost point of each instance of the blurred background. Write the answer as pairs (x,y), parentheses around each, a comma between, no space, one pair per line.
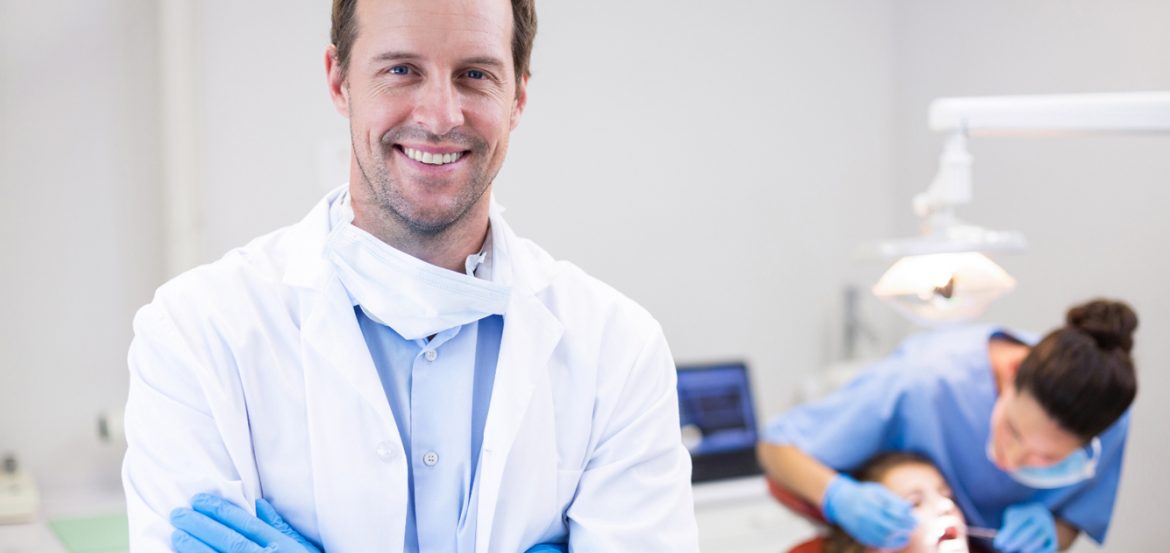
(719,162)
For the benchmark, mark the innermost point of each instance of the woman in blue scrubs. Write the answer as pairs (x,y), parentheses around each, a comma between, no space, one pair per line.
(1030,434)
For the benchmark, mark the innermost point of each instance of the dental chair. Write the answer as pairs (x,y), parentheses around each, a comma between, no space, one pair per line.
(805,510)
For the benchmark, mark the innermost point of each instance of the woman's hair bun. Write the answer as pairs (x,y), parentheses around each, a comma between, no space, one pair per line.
(1110,323)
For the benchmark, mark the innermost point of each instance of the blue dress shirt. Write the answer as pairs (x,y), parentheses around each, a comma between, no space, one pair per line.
(449,378)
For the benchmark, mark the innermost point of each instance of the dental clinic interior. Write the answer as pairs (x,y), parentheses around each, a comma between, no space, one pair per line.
(764,177)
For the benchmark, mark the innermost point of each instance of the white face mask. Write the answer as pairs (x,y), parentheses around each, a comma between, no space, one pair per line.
(411,296)
(1079,466)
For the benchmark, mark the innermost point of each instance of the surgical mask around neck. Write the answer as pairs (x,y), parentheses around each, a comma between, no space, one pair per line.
(1079,466)
(409,295)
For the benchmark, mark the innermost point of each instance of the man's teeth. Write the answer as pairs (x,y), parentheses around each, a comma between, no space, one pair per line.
(432,159)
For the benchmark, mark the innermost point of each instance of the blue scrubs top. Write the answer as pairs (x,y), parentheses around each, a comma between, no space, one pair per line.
(934,396)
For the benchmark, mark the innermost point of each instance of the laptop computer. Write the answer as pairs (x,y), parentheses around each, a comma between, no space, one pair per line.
(718,421)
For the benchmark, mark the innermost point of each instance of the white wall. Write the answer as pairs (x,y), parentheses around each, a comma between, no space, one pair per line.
(717,165)
(264,116)
(1095,209)
(80,231)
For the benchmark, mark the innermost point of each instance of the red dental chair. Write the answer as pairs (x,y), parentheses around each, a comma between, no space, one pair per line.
(806,510)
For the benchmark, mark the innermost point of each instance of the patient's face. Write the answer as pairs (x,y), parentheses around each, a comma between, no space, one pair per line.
(941,526)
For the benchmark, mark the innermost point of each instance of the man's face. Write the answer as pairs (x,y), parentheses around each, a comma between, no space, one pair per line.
(431,96)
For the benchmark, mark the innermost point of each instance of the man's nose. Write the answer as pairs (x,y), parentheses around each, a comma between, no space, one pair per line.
(438,107)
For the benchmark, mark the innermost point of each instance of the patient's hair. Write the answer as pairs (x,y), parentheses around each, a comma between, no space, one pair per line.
(874,470)
(1082,373)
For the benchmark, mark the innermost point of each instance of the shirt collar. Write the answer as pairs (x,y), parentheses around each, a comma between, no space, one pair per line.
(479,264)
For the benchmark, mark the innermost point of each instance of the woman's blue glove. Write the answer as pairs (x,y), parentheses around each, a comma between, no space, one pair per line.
(1027,528)
(548,548)
(869,512)
(216,525)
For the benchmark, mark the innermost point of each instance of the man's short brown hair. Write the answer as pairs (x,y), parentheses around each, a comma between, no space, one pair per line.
(344,32)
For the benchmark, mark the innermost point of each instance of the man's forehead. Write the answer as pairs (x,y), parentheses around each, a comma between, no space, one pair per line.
(486,17)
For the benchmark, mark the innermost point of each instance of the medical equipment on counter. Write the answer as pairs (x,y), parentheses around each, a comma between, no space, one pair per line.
(19,500)
(942,275)
(718,421)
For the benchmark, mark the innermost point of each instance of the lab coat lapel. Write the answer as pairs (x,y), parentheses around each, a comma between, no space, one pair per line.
(356,450)
(332,337)
(531,333)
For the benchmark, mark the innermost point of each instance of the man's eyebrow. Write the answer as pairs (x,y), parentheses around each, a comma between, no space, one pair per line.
(484,60)
(396,55)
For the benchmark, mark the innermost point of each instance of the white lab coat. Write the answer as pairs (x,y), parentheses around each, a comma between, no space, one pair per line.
(250,378)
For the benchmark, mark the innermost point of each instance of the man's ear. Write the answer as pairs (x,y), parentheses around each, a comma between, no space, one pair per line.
(521,101)
(335,75)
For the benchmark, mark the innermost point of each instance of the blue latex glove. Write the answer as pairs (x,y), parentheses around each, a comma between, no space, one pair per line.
(216,525)
(869,512)
(1027,528)
(548,548)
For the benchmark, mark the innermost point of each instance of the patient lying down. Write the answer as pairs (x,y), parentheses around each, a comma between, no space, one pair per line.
(941,527)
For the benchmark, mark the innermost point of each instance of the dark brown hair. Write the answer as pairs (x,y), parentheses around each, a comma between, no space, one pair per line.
(345,28)
(1082,373)
(874,470)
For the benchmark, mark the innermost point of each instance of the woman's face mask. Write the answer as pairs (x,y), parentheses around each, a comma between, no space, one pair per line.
(1081,465)
(1033,448)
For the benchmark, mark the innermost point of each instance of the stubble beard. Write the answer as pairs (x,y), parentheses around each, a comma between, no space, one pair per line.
(391,203)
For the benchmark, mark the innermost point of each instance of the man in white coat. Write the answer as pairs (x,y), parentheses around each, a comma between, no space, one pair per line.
(399,371)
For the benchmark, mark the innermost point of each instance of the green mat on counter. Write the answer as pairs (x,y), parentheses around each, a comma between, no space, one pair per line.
(96,534)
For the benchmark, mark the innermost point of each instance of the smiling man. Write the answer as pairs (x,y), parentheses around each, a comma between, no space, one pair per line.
(399,371)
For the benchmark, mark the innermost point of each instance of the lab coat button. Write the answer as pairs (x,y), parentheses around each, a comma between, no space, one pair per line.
(430,458)
(430,355)
(385,451)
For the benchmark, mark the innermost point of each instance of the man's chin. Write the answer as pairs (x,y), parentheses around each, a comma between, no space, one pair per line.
(427,222)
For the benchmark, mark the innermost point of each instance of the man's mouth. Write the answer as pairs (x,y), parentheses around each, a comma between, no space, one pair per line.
(431,158)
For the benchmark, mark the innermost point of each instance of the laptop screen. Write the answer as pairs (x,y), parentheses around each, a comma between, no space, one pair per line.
(718,420)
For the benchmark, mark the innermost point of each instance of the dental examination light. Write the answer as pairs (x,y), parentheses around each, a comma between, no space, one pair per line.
(942,275)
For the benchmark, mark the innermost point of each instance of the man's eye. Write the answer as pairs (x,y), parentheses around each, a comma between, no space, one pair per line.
(475,74)
(399,70)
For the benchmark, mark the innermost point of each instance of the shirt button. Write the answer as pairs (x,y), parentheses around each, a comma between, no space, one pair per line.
(430,458)
(430,354)
(385,451)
